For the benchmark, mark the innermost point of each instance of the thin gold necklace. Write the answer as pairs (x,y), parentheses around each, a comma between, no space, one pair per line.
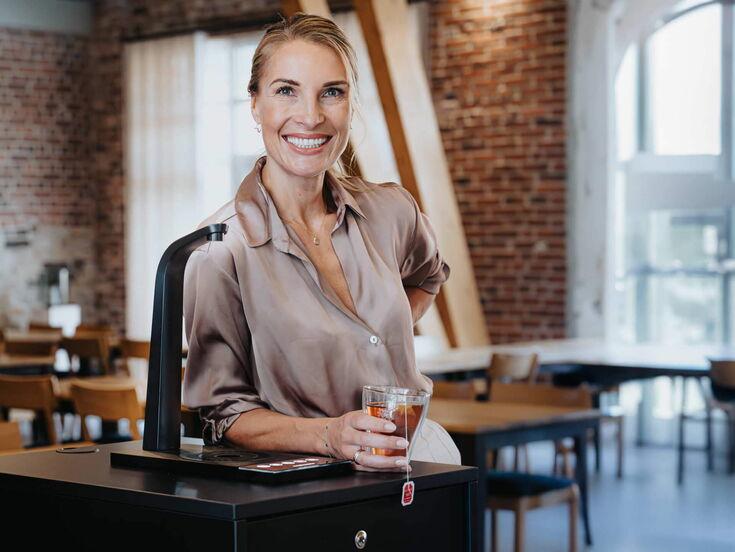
(314,235)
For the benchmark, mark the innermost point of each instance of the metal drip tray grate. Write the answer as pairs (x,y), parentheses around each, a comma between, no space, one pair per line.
(237,456)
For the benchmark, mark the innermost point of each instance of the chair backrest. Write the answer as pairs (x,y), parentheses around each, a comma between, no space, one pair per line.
(542,394)
(88,347)
(513,367)
(31,393)
(131,348)
(722,372)
(109,401)
(10,438)
(454,390)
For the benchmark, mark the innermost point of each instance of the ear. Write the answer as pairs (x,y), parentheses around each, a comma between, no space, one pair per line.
(254,109)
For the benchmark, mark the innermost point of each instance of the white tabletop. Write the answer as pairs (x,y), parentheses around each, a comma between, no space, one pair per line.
(578,351)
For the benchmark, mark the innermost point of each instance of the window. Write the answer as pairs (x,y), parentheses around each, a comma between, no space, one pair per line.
(675,190)
(684,83)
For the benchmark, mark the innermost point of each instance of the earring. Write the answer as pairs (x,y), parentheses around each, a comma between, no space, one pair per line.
(258,128)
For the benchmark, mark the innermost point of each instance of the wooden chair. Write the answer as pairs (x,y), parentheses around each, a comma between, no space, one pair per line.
(132,349)
(506,367)
(89,350)
(10,438)
(41,326)
(512,367)
(721,397)
(34,393)
(454,390)
(521,492)
(109,401)
(103,328)
(547,395)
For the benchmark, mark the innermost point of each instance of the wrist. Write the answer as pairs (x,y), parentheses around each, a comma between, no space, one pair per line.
(323,444)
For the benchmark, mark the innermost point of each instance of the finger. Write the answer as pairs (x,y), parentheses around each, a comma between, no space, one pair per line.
(391,463)
(360,467)
(377,440)
(365,422)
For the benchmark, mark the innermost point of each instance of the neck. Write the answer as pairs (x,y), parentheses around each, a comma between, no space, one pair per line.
(297,198)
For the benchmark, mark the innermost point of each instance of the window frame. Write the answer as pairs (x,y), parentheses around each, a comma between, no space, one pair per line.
(680,174)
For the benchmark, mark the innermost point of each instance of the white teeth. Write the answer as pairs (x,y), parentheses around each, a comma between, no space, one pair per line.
(306,143)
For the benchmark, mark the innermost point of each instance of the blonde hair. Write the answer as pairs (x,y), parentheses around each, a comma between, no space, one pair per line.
(317,30)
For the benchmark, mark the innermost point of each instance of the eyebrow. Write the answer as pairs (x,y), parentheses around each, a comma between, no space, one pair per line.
(295,83)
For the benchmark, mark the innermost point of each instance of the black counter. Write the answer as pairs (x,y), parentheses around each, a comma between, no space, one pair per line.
(81,502)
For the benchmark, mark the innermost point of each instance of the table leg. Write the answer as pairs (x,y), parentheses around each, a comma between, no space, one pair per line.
(473,451)
(580,451)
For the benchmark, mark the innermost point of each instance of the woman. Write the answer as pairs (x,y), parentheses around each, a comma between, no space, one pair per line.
(315,288)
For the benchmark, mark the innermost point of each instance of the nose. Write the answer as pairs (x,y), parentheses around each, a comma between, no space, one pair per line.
(309,113)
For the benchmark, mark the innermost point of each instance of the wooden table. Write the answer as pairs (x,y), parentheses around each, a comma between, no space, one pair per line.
(478,427)
(26,364)
(33,336)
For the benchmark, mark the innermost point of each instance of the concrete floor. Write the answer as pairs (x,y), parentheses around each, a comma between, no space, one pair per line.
(643,512)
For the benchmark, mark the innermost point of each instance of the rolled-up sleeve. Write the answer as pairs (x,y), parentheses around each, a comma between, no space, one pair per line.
(218,380)
(423,266)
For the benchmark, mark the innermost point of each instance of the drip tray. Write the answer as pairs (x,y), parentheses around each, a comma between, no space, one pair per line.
(232,463)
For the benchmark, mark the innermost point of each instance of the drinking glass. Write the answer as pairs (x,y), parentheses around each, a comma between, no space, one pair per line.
(406,408)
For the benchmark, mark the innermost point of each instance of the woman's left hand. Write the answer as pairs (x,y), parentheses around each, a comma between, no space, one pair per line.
(351,434)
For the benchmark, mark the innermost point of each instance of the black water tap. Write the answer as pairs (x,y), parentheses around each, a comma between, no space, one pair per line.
(163,399)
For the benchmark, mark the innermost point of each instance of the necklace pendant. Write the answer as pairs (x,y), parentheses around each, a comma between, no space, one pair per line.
(315,239)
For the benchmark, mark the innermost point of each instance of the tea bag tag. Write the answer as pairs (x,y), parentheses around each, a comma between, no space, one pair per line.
(408,486)
(407,494)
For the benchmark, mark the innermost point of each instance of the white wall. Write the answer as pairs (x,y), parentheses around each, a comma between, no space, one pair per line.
(599,33)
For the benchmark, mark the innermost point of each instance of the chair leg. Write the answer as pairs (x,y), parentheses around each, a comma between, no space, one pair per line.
(573,515)
(85,431)
(493,530)
(710,452)
(621,445)
(520,528)
(680,460)
(526,459)
(597,437)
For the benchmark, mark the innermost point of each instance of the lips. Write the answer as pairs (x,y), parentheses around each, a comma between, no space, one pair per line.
(306,141)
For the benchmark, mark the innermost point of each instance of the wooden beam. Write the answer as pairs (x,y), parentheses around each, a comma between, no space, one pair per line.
(314,7)
(419,152)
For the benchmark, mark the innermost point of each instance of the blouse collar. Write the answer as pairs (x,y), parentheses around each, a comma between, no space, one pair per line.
(257,213)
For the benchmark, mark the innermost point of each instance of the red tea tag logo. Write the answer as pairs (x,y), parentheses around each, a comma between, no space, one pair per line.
(407,495)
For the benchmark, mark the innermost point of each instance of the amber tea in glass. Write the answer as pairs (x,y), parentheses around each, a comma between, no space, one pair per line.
(406,408)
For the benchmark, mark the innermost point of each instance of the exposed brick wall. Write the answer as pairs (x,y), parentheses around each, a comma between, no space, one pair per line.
(498,80)
(114,21)
(47,202)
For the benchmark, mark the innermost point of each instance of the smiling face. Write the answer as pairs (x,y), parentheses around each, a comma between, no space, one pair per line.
(303,105)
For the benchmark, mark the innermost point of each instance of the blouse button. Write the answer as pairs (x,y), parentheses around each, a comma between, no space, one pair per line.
(374,339)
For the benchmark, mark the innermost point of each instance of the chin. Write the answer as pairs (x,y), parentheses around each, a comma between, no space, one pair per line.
(307,166)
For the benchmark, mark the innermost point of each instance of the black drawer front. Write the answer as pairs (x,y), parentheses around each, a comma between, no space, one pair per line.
(438,520)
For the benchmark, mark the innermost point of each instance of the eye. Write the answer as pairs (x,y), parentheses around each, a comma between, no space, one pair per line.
(284,91)
(334,92)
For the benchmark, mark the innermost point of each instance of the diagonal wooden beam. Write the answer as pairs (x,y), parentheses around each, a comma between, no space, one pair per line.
(419,152)
(315,7)
(438,321)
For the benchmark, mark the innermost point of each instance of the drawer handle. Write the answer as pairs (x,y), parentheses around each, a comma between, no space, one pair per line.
(361,539)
